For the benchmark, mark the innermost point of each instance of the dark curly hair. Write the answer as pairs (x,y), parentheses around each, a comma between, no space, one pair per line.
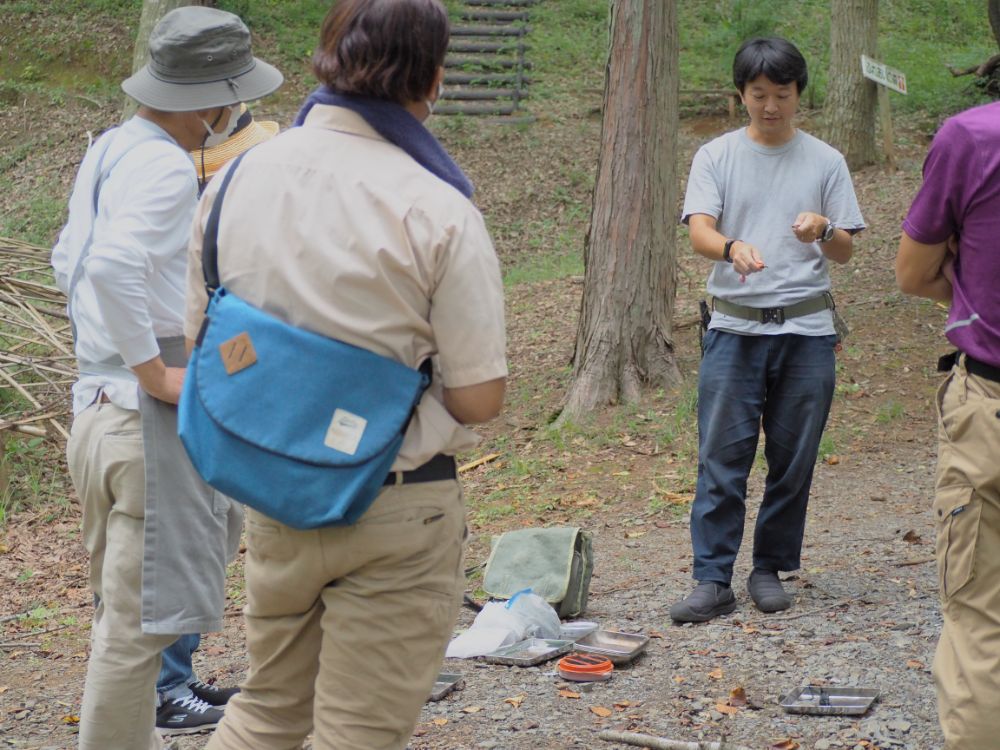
(385,49)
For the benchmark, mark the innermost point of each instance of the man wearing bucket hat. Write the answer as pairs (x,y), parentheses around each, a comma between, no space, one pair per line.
(157,536)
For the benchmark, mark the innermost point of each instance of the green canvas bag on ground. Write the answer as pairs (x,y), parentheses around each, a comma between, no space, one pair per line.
(555,563)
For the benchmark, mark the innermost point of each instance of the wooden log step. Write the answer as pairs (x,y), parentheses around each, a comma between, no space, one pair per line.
(464,63)
(475,109)
(481,47)
(495,16)
(471,79)
(501,3)
(483,94)
(489,30)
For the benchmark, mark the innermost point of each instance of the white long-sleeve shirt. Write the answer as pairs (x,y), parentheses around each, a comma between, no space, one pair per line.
(132,288)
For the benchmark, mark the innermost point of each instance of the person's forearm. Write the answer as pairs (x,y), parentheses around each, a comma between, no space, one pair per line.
(840,248)
(708,242)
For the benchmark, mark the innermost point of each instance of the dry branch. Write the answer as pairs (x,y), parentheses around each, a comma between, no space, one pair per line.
(36,348)
(661,743)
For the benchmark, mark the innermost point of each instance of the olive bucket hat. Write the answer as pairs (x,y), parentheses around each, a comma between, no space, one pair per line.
(200,58)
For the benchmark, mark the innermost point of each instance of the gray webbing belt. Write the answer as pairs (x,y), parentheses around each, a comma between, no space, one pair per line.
(773,314)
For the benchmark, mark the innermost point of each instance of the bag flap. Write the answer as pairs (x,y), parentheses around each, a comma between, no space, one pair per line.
(539,559)
(297,393)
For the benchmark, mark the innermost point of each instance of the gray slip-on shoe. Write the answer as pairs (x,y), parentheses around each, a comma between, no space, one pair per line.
(767,592)
(708,600)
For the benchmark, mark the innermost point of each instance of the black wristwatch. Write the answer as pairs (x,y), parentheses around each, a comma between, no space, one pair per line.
(727,249)
(827,234)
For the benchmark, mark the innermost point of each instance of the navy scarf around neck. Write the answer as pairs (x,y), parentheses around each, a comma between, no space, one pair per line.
(399,127)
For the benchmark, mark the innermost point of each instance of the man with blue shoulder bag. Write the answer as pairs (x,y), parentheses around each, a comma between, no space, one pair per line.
(344,259)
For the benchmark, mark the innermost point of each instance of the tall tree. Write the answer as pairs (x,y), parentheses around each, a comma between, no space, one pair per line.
(152,12)
(624,340)
(851,98)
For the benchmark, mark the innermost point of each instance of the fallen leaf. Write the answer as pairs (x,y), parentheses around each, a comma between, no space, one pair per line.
(634,534)
(655,634)
(71,719)
(833,460)
(679,678)
(723,708)
(568,694)
(737,697)
(601,711)
(439,722)
(516,701)
(788,744)
(622,705)
(472,709)
(715,674)
(911,537)
(4,549)
(914,664)
(3,689)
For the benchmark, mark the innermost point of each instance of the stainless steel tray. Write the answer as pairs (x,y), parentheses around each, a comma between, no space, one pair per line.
(445,684)
(829,701)
(620,648)
(529,652)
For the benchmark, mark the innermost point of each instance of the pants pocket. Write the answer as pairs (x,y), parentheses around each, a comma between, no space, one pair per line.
(958,511)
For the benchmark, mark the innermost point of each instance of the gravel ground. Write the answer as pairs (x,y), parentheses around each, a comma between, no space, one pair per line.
(865,614)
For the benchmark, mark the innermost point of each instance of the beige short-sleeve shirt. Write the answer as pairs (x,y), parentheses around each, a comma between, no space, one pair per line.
(335,230)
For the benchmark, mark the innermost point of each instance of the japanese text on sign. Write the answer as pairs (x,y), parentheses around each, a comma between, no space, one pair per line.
(883,74)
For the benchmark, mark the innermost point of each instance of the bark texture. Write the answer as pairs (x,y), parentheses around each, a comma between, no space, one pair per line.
(152,12)
(624,340)
(993,7)
(851,98)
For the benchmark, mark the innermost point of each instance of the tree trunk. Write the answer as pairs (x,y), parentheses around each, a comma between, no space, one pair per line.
(851,98)
(624,339)
(993,7)
(152,12)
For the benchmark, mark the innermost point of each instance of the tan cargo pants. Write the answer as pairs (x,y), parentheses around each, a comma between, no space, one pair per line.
(346,626)
(967,514)
(107,466)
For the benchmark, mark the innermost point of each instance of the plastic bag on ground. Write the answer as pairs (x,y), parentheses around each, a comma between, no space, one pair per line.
(499,624)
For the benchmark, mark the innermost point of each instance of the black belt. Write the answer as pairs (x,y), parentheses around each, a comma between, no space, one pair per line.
(980,369)
(439,468)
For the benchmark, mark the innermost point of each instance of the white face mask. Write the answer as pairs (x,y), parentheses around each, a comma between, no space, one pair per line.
(216,139)
(431,104)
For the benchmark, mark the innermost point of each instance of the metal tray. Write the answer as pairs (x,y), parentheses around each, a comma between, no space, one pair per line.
(829,701)
(620,648)
(529,652)
(445,684)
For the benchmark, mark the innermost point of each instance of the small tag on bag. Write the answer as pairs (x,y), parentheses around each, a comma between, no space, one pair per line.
(238,353)
(345,432)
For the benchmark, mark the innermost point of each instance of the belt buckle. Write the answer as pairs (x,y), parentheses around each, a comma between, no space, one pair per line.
(772,315)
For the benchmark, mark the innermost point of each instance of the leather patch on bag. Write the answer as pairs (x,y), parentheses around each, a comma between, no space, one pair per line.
(237,353)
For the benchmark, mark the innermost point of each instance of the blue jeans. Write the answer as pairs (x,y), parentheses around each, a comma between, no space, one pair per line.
(177,671)
(784,383)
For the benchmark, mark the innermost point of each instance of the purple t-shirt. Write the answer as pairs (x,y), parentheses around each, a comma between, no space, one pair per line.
(961,195)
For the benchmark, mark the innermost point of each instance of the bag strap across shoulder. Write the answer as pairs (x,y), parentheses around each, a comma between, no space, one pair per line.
(210,243)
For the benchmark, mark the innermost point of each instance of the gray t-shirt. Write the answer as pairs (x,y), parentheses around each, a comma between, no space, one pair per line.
(755,193)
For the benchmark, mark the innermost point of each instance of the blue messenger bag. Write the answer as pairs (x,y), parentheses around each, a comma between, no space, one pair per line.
(300,427)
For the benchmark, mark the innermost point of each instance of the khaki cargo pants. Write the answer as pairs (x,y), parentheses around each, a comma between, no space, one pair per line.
(967,514)
(346,626)
(107,466)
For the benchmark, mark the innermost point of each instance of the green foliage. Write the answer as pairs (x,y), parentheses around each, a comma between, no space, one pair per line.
(919,37)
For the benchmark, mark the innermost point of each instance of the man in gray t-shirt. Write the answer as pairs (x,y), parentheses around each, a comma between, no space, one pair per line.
(771,205)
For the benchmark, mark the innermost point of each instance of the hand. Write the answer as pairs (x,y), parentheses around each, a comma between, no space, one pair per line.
(159,381)
(808,227)
(746,259)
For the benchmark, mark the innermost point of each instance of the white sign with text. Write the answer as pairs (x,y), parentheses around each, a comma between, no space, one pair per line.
(883,74)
